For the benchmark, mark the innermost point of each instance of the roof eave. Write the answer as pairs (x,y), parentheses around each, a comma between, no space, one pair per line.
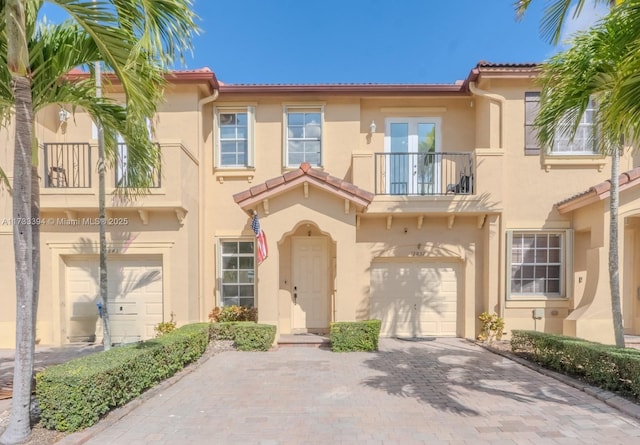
(416,89)
(250,203)
(580,201)
(195,77)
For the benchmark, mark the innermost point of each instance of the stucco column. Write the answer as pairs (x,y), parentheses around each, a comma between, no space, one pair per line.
(346,291)
(363,170)
(268,287)
(491,264)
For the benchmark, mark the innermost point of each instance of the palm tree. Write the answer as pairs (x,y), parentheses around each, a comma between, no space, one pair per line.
(136,40)
(556,14)
(595,66)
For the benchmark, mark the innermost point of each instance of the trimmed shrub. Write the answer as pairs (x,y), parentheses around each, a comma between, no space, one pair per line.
(492,327)
(609,367)
(233,313)
(74,395)
(355,335)
(247,335)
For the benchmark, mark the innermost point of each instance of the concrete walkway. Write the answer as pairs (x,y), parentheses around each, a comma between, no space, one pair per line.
(445,391)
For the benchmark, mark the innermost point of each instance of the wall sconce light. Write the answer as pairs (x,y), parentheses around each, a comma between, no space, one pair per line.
(372,127)
(63,115)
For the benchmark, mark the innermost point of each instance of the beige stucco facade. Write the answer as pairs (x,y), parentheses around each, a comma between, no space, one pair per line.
(371,226)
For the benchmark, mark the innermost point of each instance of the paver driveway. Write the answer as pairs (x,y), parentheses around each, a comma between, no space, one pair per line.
(445,391)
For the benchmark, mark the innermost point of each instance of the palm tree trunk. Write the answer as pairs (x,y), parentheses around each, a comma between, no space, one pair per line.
(102,213)
(35,228)
(104,287)
(614,274)
(19,426)
(35,248)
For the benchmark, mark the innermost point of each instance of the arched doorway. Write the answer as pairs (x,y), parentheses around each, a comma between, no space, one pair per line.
(307,256)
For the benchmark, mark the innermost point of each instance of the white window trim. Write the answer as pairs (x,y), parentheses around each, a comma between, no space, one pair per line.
(251,112)
(566,272)
(285,131)
(218,253)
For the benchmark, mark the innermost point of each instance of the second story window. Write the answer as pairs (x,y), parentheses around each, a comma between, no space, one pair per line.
(234,140)
(304,136)
(583,142)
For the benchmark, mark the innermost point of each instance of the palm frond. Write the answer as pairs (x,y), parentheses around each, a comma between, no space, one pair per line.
(164,28)
(593,67)
(555,15)
(4,180)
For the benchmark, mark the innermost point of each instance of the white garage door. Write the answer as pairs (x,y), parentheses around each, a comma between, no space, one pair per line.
(414,299)
(135,299)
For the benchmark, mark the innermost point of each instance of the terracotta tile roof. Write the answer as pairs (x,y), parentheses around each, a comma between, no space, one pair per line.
(485,64)
(502,69)
(432,89)
(599,191)
(199,75)
(293,178)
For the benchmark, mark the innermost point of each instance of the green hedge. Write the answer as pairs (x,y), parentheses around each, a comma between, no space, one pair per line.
(74,395)
(247,335)
(608,367)
(355,335)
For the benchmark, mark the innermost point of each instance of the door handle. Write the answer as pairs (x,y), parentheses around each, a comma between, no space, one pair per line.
(295,294)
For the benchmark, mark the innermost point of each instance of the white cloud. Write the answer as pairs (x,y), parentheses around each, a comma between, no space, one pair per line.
(588,17)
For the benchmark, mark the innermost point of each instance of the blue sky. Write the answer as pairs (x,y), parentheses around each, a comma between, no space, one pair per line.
(377,41)
(381,41)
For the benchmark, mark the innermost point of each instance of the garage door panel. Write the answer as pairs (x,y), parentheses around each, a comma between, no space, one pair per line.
(125,329)
(448,327)
(153,309)
(414,299)
(135,298)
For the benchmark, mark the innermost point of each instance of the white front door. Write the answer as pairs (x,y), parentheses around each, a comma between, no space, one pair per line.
(413,165)
(310,283)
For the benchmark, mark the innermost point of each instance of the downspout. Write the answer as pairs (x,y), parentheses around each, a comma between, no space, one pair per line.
(500,99)
(501,263)
(201,199)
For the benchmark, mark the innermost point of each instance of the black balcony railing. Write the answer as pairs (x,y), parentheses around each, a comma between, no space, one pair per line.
(424,173)
(67,165)
(124,175)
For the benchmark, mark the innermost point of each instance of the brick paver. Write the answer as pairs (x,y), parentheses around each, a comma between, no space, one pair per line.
(445,391)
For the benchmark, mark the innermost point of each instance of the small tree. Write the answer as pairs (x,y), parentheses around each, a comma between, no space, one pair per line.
(597,65)
(136,40)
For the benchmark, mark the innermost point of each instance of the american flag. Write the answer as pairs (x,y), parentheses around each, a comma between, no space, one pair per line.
(261,238)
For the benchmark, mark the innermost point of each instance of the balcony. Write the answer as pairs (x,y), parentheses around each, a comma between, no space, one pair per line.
(124,175)
(67,165)
(69,180)
(424,174)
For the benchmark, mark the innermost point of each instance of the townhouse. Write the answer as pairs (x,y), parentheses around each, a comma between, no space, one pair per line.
(423,205)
